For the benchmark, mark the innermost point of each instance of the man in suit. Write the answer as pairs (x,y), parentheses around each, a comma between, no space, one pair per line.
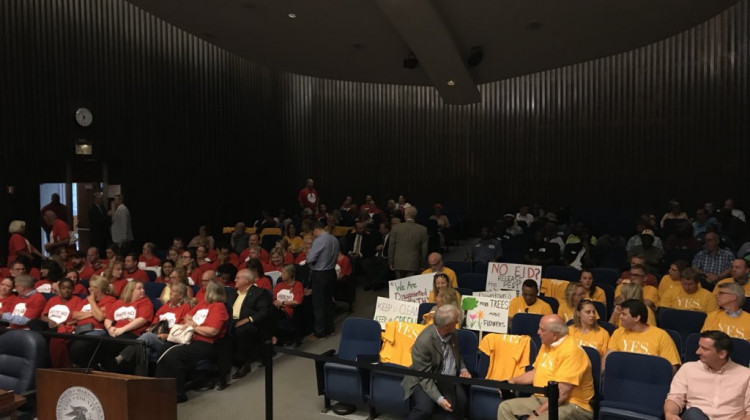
(436,351)
(376,268)
(251,312)
(359,244)
(408,246)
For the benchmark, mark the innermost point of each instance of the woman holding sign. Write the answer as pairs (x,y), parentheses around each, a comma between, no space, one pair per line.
(287,295)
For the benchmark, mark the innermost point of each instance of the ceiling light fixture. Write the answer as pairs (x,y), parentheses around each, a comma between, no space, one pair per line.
(292,15)
(451,83)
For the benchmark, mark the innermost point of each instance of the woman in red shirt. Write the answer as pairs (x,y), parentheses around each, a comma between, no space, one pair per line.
(256,269)
(58,314)
(91,310)
(287,295)
(18,244)
(209,319)
(113,274)
(73,276)
(167,267)
(128,317)
(6,293)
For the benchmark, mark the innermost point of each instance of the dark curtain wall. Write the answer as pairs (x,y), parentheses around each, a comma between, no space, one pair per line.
(202,136)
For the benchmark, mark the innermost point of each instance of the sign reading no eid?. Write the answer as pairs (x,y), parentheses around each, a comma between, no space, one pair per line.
(79,403)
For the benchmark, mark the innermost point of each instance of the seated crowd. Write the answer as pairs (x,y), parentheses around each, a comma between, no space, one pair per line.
(237,295)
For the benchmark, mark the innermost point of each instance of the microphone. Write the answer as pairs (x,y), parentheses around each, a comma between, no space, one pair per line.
(93,355)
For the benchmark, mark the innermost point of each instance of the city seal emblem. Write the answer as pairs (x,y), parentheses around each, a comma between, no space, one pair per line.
(79,403)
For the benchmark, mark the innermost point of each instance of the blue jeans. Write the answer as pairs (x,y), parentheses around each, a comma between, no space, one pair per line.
(694,413)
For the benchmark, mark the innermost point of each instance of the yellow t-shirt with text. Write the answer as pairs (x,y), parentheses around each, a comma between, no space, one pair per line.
(654,341)
(565,361)
(509,355)
(738,327)
(598,339)
(702,300)
(667,283)
(398,339)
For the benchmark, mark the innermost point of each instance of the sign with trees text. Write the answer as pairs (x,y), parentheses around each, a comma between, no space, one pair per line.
(411,289)
(486,313)
(387,310)
(506,276)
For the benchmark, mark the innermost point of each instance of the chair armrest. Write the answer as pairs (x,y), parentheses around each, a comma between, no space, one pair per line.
(319,371)
(370,358)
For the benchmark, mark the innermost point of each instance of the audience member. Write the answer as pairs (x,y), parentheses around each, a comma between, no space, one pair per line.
(729,206)
(630,291)
(651,254)
(6,294)
(440,281)
(91,311)
(26,306)
(444,296)
(574,292)
(636,336)
(592,292)
(408,246)
(55,206)
(639,260)
(322,262)
(18,244)
(121,230)
(359,244)
(177,276)
(523,216)
(296,243)
(729,318)
(58,316)
(147,256)
(586,330)
(691,296)
(128,317)
(739,274)
(542,253)
(671,280)
(635,240)
(167,267)
(713,261)
(549,230)
(287,295)
(435,261)
(302,256)
(714,387)
(528,302)
(251,312)
(131,271)
(560,359)
(486,248)
(259,276)
(99,222)
(308,197)
(59,235)
(580,248)
(377,269)
(674,213)
(638,276)
(202,238)
(78,288)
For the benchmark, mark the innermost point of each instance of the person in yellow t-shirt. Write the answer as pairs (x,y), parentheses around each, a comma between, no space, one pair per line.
(439,282)
(573,294)
(630,291)
(732,320)
(528,302)
(554,288)
(592,292)
(671,280)
(560,359)
(739,273)
(435,260)
(690,296)
(636,336)
(586,330)
(638,276)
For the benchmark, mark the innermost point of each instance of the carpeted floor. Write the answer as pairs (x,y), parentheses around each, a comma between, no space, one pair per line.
(294,387)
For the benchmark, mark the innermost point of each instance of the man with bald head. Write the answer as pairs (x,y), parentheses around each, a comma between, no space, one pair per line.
(251,311)
(560,359)
(435,261)
(713,261)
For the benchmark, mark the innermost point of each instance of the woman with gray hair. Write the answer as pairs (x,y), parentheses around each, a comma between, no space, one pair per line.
(18,244)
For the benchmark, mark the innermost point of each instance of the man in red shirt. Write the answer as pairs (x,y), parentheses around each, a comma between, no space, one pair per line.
(148,256)
(263,255)
(78,263)
(27,306)
(131,270)
(59,235)
(308,197)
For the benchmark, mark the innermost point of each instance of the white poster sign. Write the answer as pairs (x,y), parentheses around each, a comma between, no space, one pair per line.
(387,310)
(411,289)
(506,276)
(486,314)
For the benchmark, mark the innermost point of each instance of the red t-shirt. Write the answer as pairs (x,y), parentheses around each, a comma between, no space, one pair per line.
(31,307)
(294,292)
(118,285)
(61,312)
(346,266)
(35,273)
(86,272)
(270,267)
(200,297)
(308,197)
(124,313)
(152,261)
(174,315)
(210,315)
(84,306)
(7,302)
(138,275)
(16,244)
(265,257)
(265,283)
(78,289)
(161,279)
(43,286)
(302,256)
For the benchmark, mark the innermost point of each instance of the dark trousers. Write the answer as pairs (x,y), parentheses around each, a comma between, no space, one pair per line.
(81,352)
(179,361)
(423,407)
(322,292)
(694,413)
(247,340)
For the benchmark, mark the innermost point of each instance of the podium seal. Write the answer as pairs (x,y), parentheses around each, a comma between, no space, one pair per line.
(79,403)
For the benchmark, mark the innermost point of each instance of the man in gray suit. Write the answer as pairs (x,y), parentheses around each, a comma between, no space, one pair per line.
(436,351)
(408,246)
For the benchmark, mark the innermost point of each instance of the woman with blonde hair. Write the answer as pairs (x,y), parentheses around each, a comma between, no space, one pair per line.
(441,281)
(630,291)
(574,292)
(446,296)
(18,244)
(91,311)
(114,275)
(585,328)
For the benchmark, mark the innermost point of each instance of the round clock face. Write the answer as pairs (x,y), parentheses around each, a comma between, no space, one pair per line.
(84,118)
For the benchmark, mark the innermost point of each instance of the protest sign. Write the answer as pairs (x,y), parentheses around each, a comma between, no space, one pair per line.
(395,310)
(486,314)
(506,276)
(411,289)
(497,294)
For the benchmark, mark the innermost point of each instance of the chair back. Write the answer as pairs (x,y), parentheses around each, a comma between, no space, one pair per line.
(678,342)
(525,324)
(157,304)
(386,392)
(609,293)
(607,326)
(596,371)
(552,302)
(269,241)
(21,353)
(153,289)
(423,309)
(601,309)
(684,322)
(474,281)
(463,291)
(151,275)
(480,267)
(605,276)
(359,336)
(638,380)
(468,345)
(562,272)
(460,267)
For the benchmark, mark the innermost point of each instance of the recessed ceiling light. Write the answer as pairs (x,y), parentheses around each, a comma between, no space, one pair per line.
(451,83)
(292,15)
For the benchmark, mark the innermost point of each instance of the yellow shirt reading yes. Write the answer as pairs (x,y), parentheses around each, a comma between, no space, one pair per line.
(448,272)
(518,305)
(702,300)
(729,280)
(666,284)
(598,339)
(566,362)
(654,341)
(398,339)
(738,327)
(509,355)
(651,318)
(649,293)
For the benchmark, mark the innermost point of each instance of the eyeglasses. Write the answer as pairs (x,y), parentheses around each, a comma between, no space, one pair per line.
(184,256)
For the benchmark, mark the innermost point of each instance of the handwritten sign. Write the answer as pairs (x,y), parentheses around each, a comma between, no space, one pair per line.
(486,314)
(411,289)
(387,310)
(498,294)
(506,276)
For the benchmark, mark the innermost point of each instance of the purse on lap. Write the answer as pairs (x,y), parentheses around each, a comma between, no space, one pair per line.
(180,334)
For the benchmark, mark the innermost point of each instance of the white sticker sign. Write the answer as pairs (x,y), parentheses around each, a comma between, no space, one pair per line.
(411,289)
(506,276)
(285,295)
(497,294)
(486,314)
(387,310)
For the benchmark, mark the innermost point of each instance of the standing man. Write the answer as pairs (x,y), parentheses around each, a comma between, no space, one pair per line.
(560,359)
(99,222)
(122,232)
(59,233)
(714,387)
(322,262)
(408,245)
(376,269)
(436,351)
(308,197)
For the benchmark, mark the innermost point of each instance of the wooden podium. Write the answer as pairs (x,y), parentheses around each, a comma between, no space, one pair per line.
(116,396)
